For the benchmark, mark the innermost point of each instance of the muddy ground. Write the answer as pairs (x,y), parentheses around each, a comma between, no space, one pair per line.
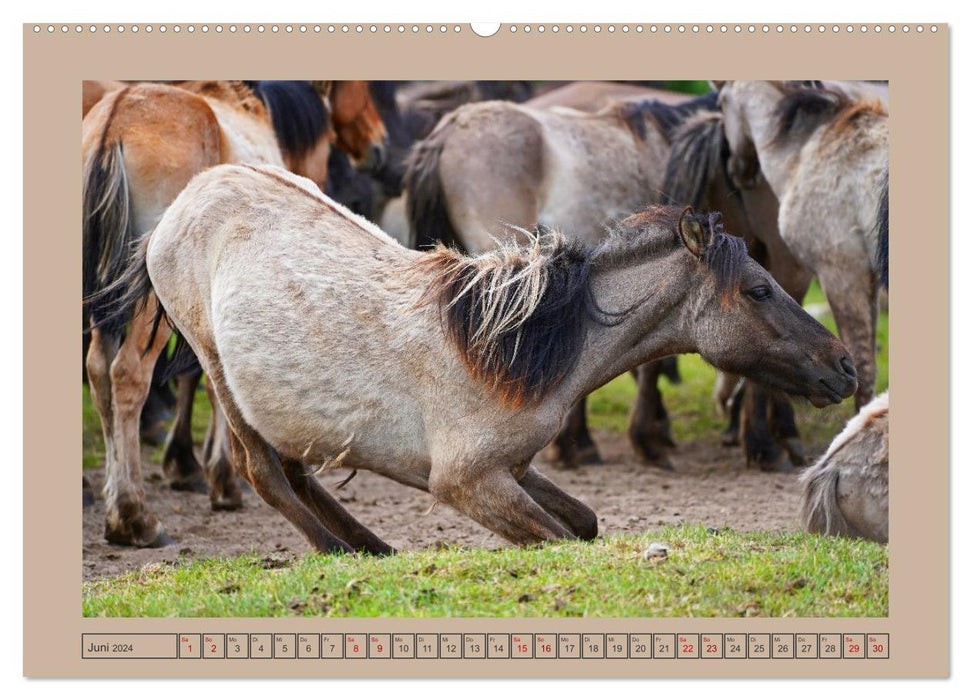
(712,486)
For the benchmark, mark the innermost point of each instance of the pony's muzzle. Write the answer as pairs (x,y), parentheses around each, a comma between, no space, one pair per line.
(376,157)
(835,386)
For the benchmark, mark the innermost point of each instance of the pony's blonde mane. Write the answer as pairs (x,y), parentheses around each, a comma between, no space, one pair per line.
(516,313)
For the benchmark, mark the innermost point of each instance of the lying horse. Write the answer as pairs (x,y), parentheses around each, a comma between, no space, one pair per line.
(327,342)
(847,491)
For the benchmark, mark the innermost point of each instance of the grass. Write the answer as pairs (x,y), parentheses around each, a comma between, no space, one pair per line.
(706,574)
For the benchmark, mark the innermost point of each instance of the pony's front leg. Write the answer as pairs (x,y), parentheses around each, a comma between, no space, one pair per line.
(129,521)
(577,516)
(493,498)
(853,297)
(649,429)
(761,448)
(573,445)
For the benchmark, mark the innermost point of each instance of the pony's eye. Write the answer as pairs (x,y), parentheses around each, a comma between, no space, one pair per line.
(760,293)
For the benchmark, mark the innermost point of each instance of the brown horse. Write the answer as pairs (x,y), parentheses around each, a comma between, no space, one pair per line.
(325,338)
(141,144)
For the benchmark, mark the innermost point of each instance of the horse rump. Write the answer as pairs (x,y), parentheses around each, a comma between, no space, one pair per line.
(425,200)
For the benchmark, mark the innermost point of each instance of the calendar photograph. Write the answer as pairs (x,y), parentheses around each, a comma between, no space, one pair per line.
(485,348)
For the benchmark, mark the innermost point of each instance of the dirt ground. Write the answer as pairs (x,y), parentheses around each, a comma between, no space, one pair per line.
(712,486)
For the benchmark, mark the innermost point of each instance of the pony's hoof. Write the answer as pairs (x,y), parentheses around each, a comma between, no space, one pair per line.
(781,464)
(150,536)
(797,453)
(663,464)
(378,550)
(651,455)
(195,483)
(588,455)
(730,439)
(230,501)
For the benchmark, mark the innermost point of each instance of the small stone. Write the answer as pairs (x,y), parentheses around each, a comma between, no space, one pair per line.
(656,551)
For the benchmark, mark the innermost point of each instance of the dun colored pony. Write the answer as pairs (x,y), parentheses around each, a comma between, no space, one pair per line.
(804,138)
(141,144)
(490,165)
(847,491)
(327,342)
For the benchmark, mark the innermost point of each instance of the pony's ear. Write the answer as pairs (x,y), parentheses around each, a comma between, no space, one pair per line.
(717,85)
(693,234)
(322,87)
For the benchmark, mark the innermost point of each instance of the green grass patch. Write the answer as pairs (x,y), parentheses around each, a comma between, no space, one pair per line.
(706,574)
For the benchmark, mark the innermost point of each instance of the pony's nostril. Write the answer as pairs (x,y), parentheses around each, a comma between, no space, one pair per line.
(846,364)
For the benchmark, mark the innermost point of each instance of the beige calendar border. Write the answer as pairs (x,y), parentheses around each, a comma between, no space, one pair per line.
(917,67)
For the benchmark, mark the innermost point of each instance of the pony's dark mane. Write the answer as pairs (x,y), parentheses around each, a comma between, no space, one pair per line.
(806,105)
(699,152)
(883,232)
(298,114)
(518,315)
(666,116)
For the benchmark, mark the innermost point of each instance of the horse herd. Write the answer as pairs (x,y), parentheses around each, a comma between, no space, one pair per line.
(537,250)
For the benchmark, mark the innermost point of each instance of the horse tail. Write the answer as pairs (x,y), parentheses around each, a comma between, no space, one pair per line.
(108,230)
(425,201)
(698,150)
(820,507)
(883,232)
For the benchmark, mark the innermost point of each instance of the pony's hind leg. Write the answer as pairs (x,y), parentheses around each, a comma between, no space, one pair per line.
(129,521)
(224,491)
(574,514)
(261,466)
(649,429)
(101,350)
(179,461)
(573,445)
(494,499)
(330,512)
